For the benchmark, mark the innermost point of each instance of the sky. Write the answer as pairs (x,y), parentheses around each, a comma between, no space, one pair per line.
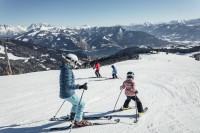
(96,12)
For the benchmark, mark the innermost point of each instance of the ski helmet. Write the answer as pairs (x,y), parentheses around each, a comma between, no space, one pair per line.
(112,66)
(130,74)
(71,57)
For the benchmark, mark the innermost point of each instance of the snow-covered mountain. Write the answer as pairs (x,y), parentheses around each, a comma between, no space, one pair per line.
(89,39)
(169,86)
(192,22)
(180,32)
(107,40)
(10,31)
(86,38)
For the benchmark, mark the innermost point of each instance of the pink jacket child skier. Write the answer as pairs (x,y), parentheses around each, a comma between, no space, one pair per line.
(130,92)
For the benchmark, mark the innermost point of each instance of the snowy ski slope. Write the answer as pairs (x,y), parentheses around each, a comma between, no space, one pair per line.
(169,85)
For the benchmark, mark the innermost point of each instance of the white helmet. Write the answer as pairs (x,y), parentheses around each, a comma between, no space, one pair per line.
(130,74)
(71,57)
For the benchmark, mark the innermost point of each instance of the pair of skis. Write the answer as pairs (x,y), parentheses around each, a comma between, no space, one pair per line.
(137,117)
(108,117)
(90,124)
(94,123)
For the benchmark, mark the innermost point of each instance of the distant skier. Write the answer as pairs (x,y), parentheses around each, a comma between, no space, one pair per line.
(114,72)
(67,89)
(97,67)
(130,92)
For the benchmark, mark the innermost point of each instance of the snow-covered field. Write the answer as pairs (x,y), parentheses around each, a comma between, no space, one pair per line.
(169,85)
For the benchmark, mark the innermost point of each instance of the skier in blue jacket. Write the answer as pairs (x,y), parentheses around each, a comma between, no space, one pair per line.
(68,87)
(114,72)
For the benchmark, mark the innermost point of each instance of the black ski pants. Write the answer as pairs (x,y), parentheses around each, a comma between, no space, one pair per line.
(135,98)
(97,74)
(114,75)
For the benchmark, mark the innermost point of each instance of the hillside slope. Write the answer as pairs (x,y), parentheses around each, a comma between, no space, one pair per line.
(168,84)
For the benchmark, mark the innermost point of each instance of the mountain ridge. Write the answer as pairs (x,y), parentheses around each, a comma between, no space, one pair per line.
(87,38)
(179,32)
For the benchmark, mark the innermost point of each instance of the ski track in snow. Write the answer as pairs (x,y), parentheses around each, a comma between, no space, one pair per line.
(169,85)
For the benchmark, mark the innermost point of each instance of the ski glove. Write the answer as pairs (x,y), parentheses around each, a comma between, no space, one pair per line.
(136,92)
(84,86)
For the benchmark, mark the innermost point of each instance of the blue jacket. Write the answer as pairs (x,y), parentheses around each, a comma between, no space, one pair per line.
(114,70)
(67,85)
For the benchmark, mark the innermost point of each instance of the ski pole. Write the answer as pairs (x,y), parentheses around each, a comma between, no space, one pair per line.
(75,114)
(54,117)
(117,100)
(136,119)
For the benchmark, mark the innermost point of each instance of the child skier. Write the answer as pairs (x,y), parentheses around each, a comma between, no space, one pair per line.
(114,72)
(67,89)
(130,92)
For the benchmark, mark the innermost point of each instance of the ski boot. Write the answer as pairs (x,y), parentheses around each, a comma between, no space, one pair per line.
(125,108)
(72,115)
(82,123)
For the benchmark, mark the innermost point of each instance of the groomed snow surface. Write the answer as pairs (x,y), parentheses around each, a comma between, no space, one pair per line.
(169,85)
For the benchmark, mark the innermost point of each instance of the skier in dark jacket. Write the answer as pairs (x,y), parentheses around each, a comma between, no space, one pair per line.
(68,87)
(114,72)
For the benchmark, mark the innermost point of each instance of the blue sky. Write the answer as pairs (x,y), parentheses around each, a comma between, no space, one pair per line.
(96,12)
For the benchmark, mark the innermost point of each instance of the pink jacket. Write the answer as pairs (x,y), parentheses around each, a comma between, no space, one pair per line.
(129,86)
